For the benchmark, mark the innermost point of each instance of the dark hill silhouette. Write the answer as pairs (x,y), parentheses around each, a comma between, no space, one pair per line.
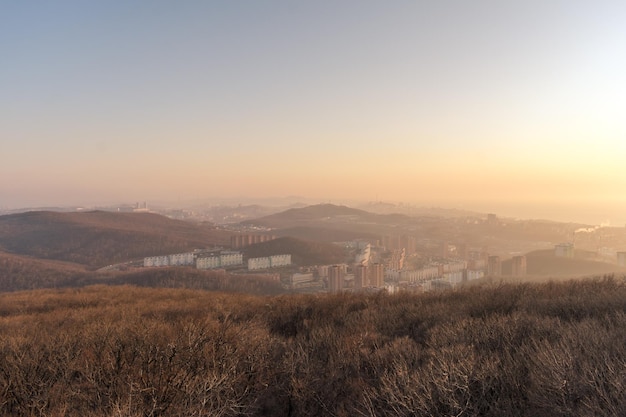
(303,253)
(358,223)
(322,210)
(315,212)
(545,263)
(99,238)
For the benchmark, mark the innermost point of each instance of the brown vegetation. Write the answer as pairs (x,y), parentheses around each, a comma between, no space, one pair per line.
(21,273)
(100,238)
(554,349)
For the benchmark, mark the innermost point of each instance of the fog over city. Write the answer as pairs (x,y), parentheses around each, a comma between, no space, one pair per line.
(507,107)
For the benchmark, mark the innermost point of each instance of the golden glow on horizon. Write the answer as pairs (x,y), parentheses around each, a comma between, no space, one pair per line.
(419,101)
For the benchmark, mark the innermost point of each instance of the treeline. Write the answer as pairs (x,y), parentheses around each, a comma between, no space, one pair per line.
(554,349)
(189,278)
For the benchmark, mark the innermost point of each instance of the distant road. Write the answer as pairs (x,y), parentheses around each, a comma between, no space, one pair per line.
(120,266)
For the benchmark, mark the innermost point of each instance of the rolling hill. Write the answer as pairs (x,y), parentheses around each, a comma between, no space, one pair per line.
(100,238)
(18,272)
(317,212)
(331,223)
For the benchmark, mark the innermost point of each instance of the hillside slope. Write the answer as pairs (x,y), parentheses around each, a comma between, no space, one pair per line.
(299,216)
(99,238)
(19,272)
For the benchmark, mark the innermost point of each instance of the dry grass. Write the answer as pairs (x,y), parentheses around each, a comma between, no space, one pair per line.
(553,349)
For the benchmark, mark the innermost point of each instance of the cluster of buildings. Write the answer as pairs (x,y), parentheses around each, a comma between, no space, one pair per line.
(339,277)
(385,266)
(404,242)
(518,266)
(267,262)
(215,260)
(221,259)
(374,266)
(443,274)
(243,240)
(177,259)
(566,250)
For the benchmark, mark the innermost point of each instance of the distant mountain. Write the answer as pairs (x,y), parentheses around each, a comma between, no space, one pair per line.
(331,223)
(100,238)
(317,214)
(224,214)
(303,253)
(318,211)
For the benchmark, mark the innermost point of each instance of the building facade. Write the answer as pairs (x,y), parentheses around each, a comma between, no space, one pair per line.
(335,278)
(361,276)
(518,266)
(564,250)
(494,266)
(377,275)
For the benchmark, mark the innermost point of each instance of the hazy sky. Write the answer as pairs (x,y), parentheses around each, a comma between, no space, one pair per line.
(517,106)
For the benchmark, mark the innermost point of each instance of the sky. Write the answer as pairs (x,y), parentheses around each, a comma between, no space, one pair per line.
(510,107)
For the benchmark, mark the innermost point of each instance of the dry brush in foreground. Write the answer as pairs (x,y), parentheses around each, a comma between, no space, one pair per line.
(554,349)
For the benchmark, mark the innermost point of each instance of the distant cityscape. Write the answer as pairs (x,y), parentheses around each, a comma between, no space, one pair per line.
(410,260)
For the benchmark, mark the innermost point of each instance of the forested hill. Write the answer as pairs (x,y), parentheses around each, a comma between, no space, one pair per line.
(99,238)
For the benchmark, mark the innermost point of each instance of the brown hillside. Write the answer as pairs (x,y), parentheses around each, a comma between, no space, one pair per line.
(316,213)
(100,238)
(303,253)
(193,279)
(332,223)
(21,272)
